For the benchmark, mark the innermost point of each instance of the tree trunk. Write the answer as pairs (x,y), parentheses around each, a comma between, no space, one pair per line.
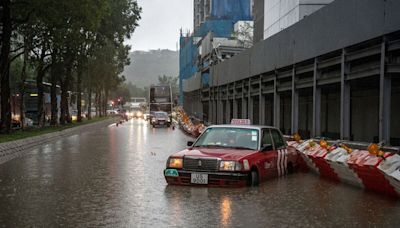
(5,123)
(99,103)
(22,89)
(63,103)
(40,90)
(89,107)
(65,116)
(53,91)
(67,81)
(106,93)
(79,97)
(5,102)
(96,97)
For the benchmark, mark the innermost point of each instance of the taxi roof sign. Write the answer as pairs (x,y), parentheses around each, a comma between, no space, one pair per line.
(240,121)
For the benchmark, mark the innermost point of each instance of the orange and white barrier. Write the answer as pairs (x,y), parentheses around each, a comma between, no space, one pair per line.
(337,159)
(391,168)
(372,169)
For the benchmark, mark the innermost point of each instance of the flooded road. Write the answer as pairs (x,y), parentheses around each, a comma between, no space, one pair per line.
(113,177)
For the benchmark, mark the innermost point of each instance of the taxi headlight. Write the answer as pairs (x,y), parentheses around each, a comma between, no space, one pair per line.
(175,163)
(229,166)
(139,114)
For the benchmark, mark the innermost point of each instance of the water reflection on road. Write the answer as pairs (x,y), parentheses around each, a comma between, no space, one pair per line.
(114,177)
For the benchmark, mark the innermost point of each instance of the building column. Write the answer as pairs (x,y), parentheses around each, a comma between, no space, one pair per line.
(235,106)
(210,106)
(295,104)
(344,100)
(244,102)
(215,118)
(385,87)
(316,131)
(262,103)
(218,106)
(250,108)
(228,108)
(277,104)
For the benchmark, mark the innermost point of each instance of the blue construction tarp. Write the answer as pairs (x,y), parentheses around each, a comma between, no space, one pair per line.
(205,80)
(220,28)
(235,10)
(187,61)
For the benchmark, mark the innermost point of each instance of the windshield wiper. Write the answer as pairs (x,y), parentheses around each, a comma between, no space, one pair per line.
(211,146)
(241,148)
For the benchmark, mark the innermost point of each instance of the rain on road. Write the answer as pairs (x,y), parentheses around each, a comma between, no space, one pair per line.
(113,177)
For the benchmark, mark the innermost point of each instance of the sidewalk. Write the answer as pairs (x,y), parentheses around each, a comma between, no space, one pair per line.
(16,148)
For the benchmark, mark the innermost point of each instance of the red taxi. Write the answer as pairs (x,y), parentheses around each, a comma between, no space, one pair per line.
(232,155)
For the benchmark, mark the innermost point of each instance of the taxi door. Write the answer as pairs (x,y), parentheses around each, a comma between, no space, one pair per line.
(268,162)
(281,152)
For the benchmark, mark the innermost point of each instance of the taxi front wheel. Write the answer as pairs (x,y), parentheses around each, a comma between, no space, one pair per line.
(253,181)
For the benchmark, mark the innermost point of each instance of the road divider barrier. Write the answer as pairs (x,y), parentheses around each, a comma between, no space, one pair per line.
(187,125)
(366,166)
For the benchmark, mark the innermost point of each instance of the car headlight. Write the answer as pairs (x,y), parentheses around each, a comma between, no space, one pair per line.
(139,114)
(230,166)
(176,163)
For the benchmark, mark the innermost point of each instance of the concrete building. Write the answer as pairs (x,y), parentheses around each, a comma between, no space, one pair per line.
(258,14)
(336,74)
(280,14)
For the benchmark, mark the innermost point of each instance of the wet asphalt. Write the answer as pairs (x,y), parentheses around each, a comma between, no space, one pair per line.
(113,177)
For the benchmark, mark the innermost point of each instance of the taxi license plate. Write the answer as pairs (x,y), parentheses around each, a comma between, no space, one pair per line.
(199,178)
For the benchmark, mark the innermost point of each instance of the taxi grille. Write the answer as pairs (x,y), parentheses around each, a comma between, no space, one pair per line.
(204,164)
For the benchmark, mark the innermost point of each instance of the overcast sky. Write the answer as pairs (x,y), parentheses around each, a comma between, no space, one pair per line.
(160,24)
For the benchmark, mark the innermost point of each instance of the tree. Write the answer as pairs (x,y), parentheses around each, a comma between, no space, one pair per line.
(244,35)
(122,92)
(67,37)
(13,13)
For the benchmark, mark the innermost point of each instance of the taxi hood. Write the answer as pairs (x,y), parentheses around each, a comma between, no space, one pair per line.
(222,153)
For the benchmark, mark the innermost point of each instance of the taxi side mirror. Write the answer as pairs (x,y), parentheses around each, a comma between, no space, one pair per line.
(189,143)
(267,147)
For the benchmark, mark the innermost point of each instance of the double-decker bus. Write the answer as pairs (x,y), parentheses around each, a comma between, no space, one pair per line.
(160,98)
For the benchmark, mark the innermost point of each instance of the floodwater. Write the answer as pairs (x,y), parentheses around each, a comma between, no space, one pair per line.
(113,177)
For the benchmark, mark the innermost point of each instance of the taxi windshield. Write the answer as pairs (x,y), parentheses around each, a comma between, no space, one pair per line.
(236,138)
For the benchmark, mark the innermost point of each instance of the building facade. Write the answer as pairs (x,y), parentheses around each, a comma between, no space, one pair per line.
(334,74)
(280,14)
(213,21)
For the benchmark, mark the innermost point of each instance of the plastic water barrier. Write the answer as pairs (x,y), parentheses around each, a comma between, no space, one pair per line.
(372,169)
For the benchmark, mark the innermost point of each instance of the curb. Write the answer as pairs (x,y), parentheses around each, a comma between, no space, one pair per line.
(17,148)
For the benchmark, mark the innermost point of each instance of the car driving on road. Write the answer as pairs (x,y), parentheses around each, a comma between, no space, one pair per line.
(232,155)
(160,119)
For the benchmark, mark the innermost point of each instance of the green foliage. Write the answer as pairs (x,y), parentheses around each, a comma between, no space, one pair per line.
(16,72)
(81,40)
(137,91)
(123,92)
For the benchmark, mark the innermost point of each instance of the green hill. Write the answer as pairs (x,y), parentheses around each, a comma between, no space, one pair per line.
(146,66)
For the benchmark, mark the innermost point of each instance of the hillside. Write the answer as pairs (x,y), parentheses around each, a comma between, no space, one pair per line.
(145,66)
